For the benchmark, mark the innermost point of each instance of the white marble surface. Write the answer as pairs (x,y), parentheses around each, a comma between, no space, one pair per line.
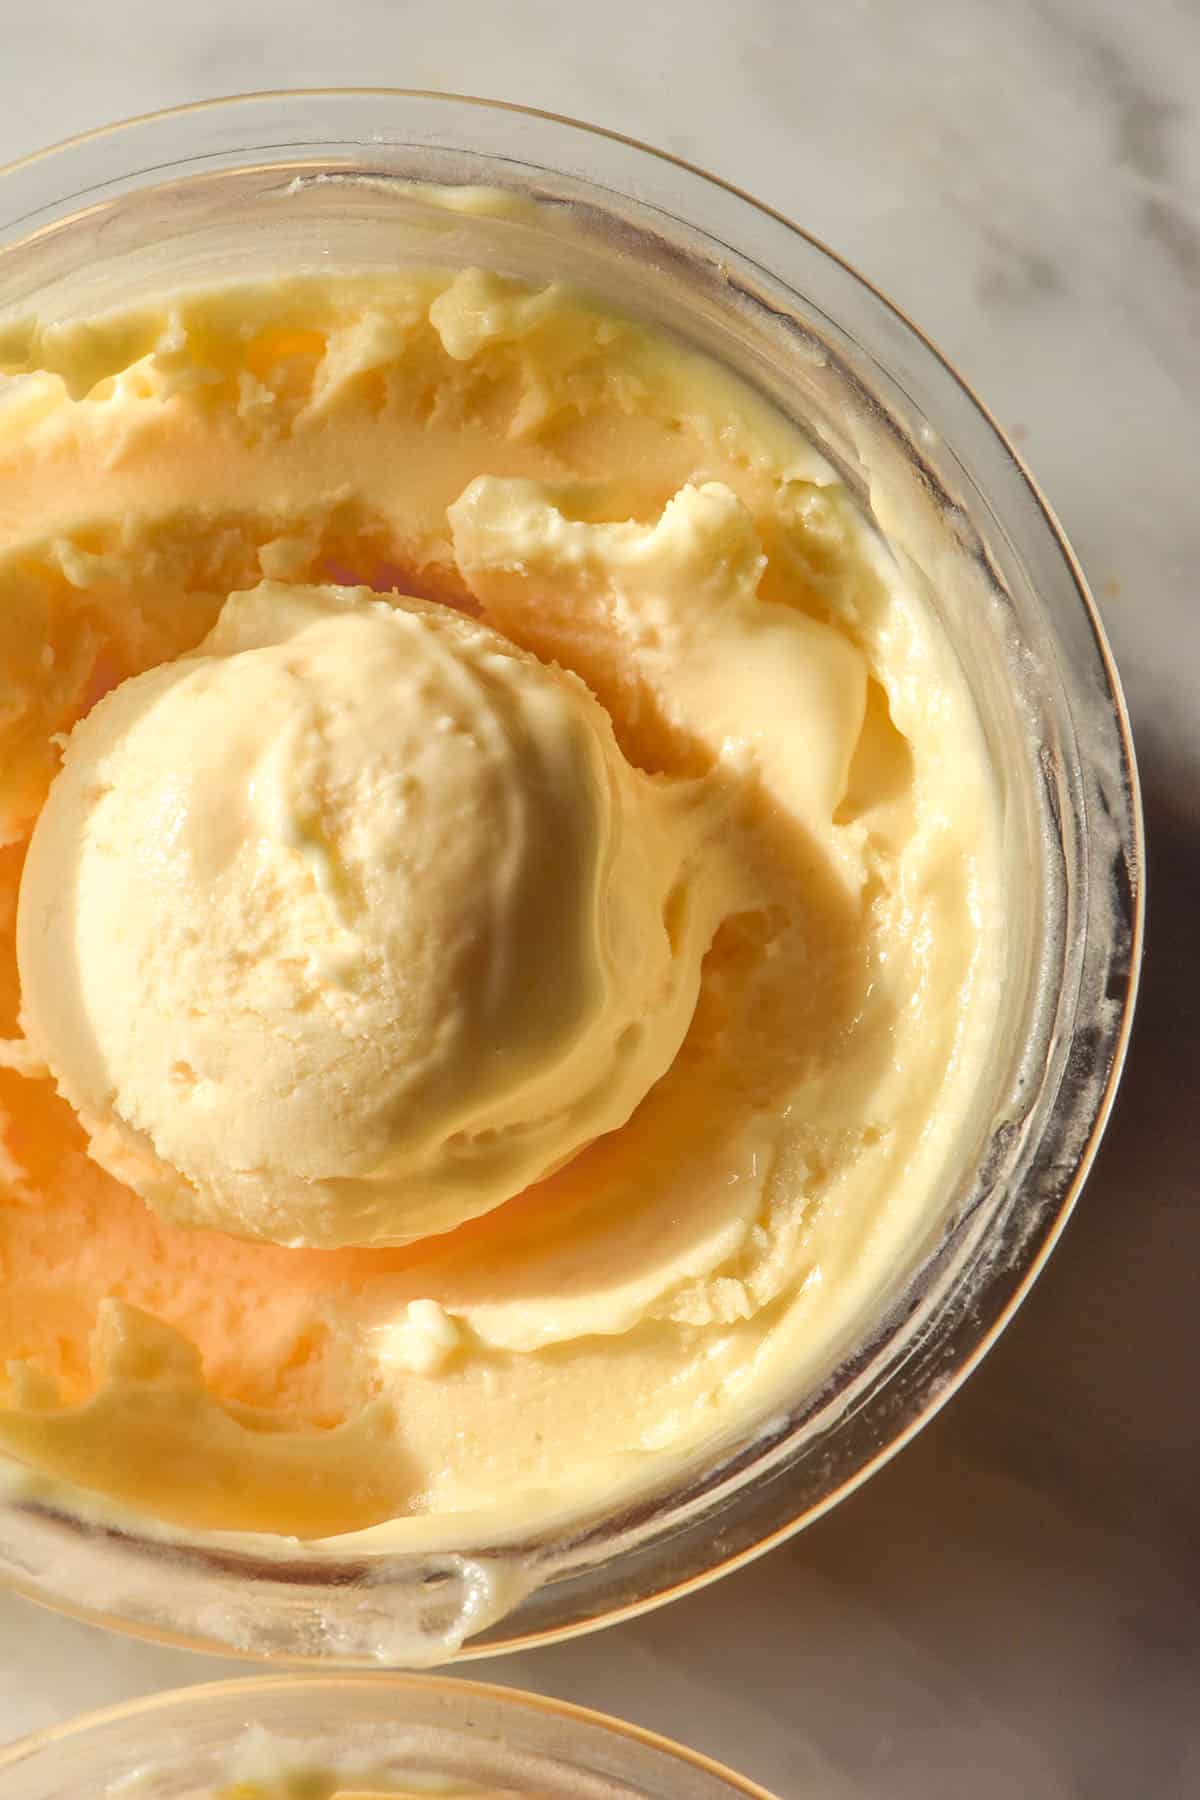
(1013,1607)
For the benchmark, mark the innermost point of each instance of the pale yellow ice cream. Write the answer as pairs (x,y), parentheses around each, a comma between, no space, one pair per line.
(355,922)
(763,957)
(295,1779)
(314,1785)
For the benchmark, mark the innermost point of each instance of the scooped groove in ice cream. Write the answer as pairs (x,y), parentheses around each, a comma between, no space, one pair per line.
(687,926)
(354,922)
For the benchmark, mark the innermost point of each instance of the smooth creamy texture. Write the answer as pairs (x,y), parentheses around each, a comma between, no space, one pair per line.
(314,1785)
(263,1766)
(613,504)
(355,922)
(324,1784)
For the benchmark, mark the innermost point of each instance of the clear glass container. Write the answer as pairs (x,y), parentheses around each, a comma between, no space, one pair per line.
(307,180)
(427,1733)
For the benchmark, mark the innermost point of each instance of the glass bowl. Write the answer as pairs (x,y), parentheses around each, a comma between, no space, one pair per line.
(341,178)
(433,1734)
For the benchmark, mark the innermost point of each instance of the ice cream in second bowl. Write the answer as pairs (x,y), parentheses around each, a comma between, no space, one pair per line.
(508,927)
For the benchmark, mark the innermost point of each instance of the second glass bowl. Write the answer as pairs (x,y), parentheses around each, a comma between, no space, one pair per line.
(401,1734)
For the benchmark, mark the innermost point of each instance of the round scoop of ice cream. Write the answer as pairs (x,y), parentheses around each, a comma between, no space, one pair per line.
(351,924)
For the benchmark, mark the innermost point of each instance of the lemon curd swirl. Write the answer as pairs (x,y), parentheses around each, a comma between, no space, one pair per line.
(498,907)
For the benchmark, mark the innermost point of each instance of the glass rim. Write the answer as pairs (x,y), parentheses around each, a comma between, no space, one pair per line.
(1035,1255)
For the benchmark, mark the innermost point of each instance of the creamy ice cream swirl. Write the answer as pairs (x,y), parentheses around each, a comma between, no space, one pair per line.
(708,849)
(354,922)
